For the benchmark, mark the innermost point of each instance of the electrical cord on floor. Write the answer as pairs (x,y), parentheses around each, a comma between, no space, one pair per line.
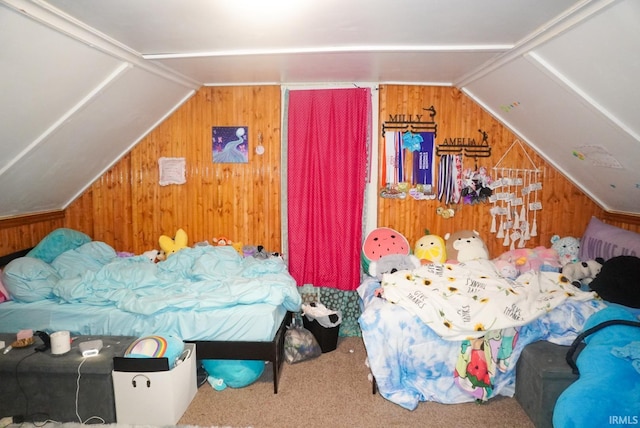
(45,422)
(24,394)
(38,418)
(78,395)
(44,418)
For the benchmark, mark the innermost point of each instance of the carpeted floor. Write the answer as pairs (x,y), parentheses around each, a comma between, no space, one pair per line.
(78,425)
(333,391)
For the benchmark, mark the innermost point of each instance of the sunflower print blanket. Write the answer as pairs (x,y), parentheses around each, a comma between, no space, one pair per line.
(466,300)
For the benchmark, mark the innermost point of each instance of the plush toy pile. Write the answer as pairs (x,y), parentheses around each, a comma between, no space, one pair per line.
(386,250)
(526,259)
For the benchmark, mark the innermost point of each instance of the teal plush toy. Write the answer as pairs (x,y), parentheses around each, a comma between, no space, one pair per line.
(607,391)
(568,249)
(232,373)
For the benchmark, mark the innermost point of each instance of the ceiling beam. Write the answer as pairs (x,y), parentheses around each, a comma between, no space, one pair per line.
(563,22)
(46,14)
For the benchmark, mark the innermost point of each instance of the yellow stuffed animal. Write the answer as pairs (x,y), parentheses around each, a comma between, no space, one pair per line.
(430,249)
(171,245)
(238,247)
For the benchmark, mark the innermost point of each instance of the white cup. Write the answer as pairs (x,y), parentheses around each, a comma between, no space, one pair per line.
(60,342)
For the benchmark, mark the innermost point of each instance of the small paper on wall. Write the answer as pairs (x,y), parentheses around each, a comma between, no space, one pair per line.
(172,171)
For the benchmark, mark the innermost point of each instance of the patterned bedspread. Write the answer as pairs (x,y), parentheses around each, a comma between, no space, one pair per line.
(465,300)
(411,362)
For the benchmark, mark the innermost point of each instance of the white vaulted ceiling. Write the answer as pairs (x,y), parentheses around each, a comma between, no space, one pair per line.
(84,81)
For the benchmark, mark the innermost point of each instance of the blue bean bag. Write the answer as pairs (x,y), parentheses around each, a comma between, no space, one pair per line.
(232,373)
(608,389)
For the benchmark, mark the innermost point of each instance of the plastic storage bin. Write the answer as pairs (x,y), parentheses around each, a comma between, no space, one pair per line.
(147,393)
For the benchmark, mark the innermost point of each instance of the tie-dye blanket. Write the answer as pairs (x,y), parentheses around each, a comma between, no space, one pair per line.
(412,363)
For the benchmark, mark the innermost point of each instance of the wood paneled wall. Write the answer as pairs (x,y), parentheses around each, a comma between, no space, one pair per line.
(19,233)
(566,210)
(128,209)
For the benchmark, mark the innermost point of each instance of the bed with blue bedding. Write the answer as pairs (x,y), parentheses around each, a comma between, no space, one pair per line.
(232,307)
(453,333)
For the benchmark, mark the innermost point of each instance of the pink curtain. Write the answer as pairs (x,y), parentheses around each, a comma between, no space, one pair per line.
(328,133)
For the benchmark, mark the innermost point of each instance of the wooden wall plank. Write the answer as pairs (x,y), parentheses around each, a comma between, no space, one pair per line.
(566,210)
(239,201)
(128,209)
(45,217)
(18,233)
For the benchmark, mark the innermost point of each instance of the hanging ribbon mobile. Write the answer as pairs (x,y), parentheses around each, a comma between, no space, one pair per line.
(514,201)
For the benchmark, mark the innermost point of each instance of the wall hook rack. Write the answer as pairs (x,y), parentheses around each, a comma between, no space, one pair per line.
(471,150)
(402,122)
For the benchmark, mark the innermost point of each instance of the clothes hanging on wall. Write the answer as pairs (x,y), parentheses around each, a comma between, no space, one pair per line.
(450,179)
(423,165)
(392,165)
(408,166)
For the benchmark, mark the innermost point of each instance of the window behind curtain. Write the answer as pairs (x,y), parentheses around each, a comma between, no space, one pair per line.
(327,134)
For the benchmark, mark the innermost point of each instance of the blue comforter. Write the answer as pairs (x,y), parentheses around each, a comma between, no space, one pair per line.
(198,279)
(412,363)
